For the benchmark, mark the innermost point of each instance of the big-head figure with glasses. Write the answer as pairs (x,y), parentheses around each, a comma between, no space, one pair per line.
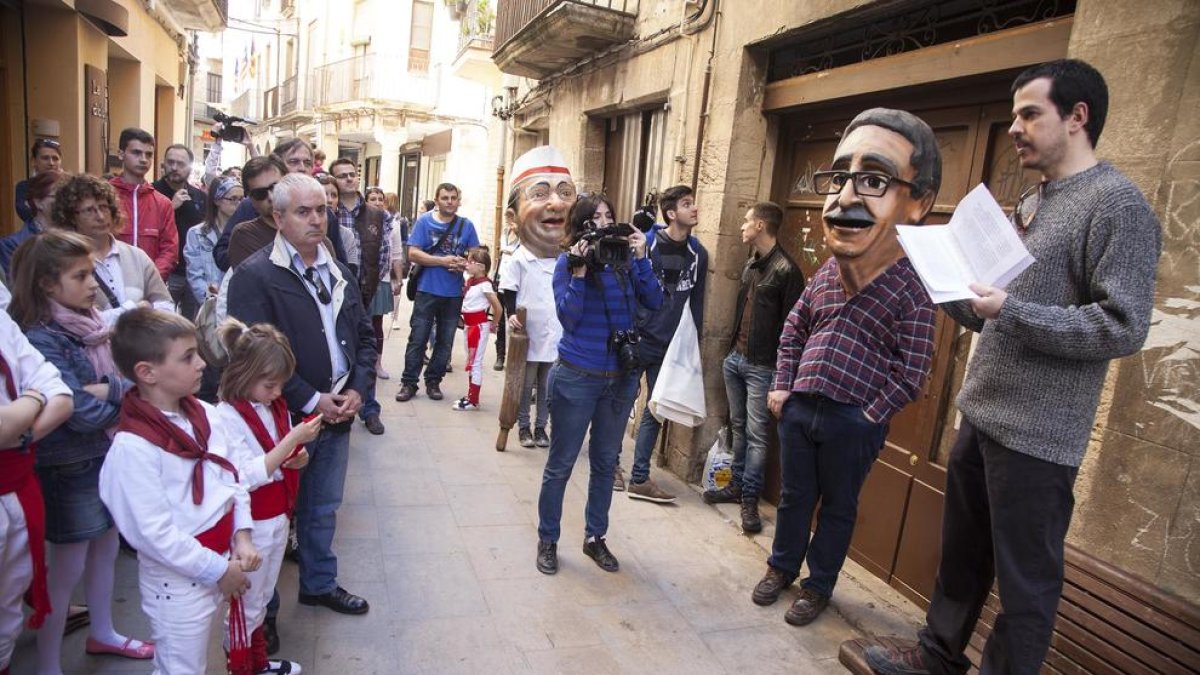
(298,286)
(855,349)
(1034,381)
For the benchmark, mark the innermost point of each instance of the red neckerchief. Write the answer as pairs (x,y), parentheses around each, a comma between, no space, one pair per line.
(474,281)
(283,424)
(141,418)
(18,478)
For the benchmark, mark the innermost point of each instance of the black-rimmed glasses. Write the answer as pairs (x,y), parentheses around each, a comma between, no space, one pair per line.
(866,183)
(311,276)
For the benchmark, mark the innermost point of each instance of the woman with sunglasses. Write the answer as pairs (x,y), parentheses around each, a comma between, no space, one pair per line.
(203,275)
(127,276)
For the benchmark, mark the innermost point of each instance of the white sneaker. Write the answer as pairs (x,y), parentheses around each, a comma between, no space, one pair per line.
(463,405)
(282,668)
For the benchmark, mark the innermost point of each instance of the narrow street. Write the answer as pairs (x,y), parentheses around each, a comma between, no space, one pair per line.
(438,532)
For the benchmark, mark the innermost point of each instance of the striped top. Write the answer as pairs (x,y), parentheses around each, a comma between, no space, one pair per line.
(581,303)
(873,349)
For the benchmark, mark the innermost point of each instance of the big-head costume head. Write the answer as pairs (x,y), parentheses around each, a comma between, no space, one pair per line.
(540,198)
(886,171)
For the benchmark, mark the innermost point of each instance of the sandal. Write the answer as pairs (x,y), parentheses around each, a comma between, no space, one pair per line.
(145,651)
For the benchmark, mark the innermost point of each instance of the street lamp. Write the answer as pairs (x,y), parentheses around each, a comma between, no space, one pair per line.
(504,107)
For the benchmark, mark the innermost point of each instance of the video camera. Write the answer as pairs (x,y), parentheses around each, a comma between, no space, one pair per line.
(644,218)
(232,128)
(607,246)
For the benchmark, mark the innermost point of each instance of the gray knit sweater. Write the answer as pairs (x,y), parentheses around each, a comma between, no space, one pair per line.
(1034,381)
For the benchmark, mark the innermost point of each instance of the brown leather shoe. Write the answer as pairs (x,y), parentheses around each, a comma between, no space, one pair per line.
(751,521)
(772,584)
(806,608)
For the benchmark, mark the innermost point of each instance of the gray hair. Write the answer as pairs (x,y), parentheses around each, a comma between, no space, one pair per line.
(926,156)
(292,185)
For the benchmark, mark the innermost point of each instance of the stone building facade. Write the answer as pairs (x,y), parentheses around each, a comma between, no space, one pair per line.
(744,99)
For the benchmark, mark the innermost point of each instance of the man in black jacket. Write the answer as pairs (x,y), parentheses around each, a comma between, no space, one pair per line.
(312,299)
(771,284)
(189,203)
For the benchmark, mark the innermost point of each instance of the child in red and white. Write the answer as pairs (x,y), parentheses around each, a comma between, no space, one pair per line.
(33,402)
(478,298)
(269,453)
(171,486)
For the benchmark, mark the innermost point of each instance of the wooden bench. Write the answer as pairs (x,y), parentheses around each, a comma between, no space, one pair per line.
(1109,623)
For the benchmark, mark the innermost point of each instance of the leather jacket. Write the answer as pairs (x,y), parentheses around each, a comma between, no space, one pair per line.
(778,285)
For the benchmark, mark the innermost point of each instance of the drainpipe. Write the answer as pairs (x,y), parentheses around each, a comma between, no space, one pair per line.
(704,99)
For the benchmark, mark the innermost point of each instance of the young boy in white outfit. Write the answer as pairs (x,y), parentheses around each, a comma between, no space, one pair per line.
(173,490)
(33,402)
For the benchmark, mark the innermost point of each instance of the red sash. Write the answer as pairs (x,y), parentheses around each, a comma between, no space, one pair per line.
(218,538)
(474,318)
(277,497)
(16,475)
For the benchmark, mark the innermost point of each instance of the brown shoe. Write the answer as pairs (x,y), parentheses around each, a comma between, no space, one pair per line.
(434,391)
(407,391)
(751,522)
(374,425)
(767,591)
(806,608)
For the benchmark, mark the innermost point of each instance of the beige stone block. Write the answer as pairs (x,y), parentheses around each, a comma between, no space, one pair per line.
(1181,565)
(1108,19)
(433,586)
(1132,491)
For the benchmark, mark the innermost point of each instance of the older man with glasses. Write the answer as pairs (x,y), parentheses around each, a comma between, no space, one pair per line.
(855,349)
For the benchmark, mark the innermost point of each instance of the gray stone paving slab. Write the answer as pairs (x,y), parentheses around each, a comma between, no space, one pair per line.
(438,532)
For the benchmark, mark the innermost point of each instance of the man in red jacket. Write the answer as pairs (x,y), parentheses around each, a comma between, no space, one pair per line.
(149,216)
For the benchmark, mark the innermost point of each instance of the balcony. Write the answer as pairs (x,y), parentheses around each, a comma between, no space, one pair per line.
(367,82)
(287,95)
(535,38)
(243,105)
(207,15)
(477,28)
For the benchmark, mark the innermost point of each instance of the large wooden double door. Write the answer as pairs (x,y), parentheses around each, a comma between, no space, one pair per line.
(898,532)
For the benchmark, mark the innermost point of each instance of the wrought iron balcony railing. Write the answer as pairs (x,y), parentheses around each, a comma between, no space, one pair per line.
(365,78)
(535,38)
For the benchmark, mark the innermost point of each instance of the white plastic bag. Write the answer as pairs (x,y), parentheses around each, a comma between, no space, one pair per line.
(679,393)
(718,467)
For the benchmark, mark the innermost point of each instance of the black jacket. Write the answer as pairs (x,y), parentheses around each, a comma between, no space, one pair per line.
(266,289)
(778,285)
(189,214)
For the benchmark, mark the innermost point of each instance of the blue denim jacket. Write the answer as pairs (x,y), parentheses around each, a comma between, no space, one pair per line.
(202,269)
(82,436)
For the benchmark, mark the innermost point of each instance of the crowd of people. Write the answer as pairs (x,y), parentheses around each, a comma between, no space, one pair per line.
(183,368)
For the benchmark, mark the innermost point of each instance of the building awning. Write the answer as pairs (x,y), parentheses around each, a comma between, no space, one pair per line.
(107,15)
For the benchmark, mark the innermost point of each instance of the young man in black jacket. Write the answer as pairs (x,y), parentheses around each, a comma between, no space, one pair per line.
(771,284)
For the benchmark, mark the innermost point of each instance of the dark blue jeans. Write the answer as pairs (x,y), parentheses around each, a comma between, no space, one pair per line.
(1005,519)
(429,310)
(826,449)
(746,387)
(321,487)
(648,428)
(580,400)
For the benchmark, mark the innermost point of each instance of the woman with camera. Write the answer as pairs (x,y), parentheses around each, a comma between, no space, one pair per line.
(594,382)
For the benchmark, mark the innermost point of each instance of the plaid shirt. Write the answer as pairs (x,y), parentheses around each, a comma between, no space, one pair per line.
(873,349)
(346,218)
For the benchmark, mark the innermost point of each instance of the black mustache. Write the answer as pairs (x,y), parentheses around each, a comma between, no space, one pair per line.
(856,216)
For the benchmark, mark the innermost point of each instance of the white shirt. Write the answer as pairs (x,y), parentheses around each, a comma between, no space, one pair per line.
(533,280)
(29,368)
(337,358)
(475,299)
(249,456)
(5,298)
(148,491)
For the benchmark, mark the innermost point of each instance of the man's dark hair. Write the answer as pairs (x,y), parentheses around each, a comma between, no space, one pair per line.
(448,187)
(770,214)
(429,205)
(179,146)
(257,166)
(340,161)
(44,143)
(670,199)
(1072,81)
(286,147)
(134,134)
(926,157)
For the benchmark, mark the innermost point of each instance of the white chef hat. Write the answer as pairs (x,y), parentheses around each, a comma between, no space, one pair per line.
(540,160)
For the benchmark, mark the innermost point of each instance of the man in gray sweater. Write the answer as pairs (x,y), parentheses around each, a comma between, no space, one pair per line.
(1032,387)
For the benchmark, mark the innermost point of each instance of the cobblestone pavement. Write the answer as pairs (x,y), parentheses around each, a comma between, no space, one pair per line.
(438,532)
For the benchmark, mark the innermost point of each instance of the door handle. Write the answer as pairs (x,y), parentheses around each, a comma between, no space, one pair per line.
(912,460)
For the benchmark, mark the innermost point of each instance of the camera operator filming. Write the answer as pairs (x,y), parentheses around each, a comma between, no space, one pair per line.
(598,284)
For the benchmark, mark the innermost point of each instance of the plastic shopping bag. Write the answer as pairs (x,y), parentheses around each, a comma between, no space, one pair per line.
(679,393)
(718,467)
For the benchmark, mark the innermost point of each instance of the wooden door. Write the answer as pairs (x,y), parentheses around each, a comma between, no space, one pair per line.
(899,521)
(410,181)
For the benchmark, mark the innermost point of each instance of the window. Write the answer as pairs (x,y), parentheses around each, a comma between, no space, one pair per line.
(422,36)
(214,88)
(634,147)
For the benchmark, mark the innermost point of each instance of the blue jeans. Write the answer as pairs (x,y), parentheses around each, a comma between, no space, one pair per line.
(579,400)
(321,486)
(826,450)
(429,310)
(746,386)
(648,427)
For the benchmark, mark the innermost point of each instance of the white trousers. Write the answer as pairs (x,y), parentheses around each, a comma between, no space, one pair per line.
(16,573)
(181,615)
(270,538)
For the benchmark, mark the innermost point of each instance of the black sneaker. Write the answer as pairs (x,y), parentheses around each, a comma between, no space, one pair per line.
(547,557)
(525,437)
(540,438)
(597,550)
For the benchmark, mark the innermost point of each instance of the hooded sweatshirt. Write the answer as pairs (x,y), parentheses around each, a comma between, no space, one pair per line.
(149,223)
(682,267)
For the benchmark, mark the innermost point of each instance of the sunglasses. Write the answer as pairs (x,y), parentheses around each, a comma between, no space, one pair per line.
(260,193)
(1027,206)
(311,276)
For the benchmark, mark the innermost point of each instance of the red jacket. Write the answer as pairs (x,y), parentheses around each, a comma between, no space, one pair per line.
(150,225)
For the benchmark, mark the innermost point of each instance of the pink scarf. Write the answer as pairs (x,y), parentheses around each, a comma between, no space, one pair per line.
(89,328)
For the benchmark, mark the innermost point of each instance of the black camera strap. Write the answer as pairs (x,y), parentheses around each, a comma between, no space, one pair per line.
(604,302)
